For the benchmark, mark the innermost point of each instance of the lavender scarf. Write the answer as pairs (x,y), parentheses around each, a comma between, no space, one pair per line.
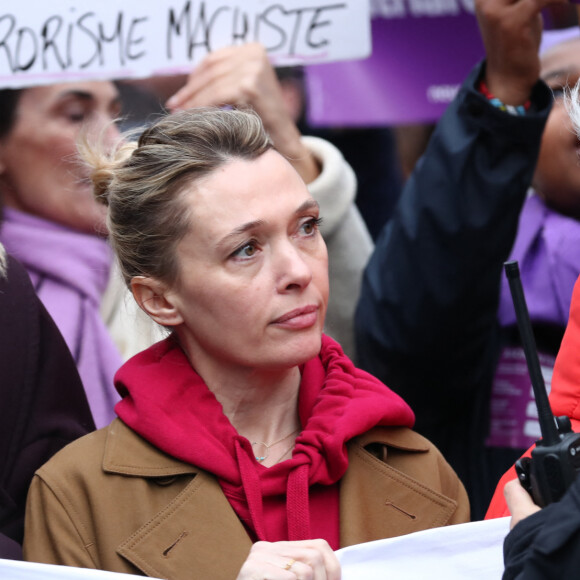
(70,271)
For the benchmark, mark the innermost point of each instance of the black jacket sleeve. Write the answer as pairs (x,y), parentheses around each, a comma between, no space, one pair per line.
(546,545)
(426,317)
(43,405)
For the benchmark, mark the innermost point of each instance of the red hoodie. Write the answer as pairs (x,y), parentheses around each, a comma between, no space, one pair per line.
(564,395)
(168,404)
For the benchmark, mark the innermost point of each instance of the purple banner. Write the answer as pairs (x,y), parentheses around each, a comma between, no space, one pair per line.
(417,65)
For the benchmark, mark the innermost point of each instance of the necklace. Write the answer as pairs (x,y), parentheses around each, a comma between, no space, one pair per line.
(284,454)
(266,446)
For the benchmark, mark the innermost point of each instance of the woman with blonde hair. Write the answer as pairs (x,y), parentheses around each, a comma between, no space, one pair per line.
(247,444)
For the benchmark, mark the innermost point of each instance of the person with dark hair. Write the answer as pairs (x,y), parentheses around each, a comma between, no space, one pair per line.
(42,402)
(247,435)
(435,320)
(51,223)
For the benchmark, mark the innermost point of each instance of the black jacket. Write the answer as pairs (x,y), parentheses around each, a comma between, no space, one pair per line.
(42,401)
(546,545)
(426,319)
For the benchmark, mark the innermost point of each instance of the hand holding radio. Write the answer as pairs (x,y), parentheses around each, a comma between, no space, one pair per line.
(519,502)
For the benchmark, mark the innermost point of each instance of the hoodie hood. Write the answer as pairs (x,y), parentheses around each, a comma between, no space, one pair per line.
(166,402)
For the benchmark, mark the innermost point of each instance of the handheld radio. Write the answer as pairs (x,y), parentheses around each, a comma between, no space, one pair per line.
(555,460)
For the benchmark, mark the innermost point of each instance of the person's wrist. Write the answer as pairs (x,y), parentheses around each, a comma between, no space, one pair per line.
(508,87)
(514,105)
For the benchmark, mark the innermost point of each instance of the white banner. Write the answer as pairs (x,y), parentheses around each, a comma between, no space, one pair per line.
(473,551)
(54,41)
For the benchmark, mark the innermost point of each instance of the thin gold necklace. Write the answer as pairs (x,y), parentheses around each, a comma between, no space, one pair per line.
(261,458)
(284,454)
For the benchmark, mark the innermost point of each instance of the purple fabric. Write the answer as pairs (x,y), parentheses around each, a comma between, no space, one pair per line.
(546,248)
(417,64)
(554,37)
(70,271)
(9,549)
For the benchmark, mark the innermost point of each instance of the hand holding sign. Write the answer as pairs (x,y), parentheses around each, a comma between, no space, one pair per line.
(243,75)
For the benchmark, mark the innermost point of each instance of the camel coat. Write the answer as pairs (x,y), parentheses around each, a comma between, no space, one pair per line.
(112,501)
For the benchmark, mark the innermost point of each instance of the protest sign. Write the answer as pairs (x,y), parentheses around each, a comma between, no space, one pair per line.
(62,40)
(422,52)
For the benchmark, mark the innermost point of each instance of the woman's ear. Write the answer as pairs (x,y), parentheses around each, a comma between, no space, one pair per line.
(153,298)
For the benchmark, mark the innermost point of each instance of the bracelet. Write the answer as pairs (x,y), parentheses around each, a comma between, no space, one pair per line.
(511,109)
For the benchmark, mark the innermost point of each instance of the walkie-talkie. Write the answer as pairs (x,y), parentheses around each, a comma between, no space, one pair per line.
(555,460)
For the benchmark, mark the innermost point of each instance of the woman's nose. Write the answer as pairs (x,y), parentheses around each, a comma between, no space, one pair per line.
(104,129)
(293,269)
(111,133)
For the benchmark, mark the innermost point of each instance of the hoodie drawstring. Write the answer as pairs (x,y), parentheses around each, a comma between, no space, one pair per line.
(252,489)
(297,497)
(297,504)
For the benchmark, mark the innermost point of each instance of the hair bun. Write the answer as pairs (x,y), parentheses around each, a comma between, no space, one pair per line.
(103,162)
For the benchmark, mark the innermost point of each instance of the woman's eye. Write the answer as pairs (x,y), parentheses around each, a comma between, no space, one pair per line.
(311,226)
(76,114)
(246,251)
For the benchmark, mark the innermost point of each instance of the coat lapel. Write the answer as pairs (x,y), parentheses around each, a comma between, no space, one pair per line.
(195,534)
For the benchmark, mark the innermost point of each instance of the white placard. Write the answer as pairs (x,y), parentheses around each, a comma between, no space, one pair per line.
(471,551)
(63,40)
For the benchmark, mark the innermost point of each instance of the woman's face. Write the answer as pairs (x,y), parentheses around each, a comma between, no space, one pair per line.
(253,270)
(557,176)
(39,170)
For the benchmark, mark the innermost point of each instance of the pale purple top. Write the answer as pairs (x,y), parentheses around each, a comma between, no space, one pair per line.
(547,250)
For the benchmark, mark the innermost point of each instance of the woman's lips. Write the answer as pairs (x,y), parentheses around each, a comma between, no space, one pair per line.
(298,318)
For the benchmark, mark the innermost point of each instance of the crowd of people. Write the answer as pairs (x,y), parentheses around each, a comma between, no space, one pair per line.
(215,365)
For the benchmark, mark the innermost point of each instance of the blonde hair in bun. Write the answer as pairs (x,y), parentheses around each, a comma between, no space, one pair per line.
(142,183)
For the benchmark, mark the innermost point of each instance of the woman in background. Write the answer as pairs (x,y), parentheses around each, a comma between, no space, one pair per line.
(52,224)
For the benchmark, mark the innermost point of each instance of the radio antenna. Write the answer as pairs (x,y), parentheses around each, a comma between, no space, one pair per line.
(548,426)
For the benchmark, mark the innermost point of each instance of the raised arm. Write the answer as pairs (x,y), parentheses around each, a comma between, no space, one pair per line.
(426,317)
